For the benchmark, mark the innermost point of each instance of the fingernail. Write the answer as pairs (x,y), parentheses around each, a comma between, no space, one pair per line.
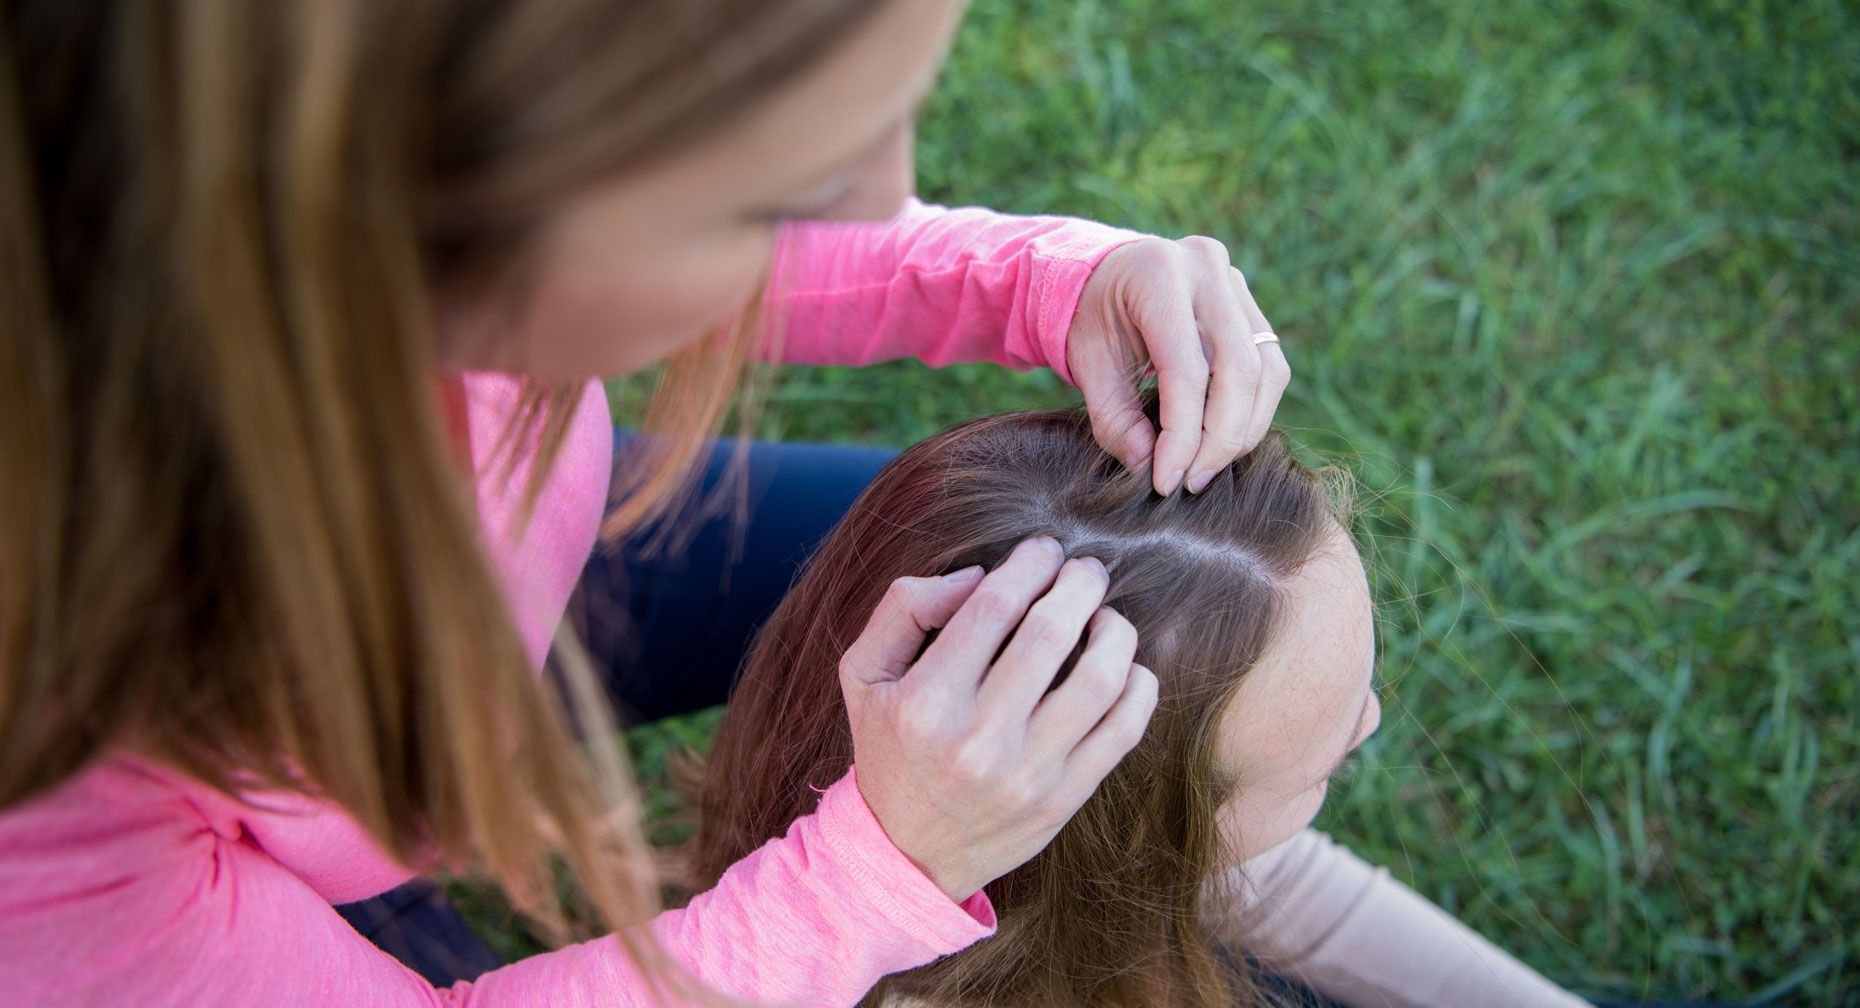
(1174,481)
(1051,545)
(964,575)
(1201,481)
(1095,564)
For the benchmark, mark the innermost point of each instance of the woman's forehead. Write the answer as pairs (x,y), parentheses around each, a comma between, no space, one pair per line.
(831,114)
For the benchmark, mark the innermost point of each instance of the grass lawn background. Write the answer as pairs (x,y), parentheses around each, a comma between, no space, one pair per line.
(1572,287)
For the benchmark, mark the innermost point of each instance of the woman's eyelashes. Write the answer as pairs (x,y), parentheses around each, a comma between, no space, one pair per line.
(810,208)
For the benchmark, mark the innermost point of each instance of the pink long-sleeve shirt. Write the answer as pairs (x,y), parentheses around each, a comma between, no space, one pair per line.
(131,884)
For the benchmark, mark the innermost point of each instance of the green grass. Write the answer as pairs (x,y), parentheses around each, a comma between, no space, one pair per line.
(1574,287)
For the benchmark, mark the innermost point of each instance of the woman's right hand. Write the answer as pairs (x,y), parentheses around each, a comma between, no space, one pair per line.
(966,759)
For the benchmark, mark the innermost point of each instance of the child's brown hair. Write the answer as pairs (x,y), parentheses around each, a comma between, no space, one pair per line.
(1108,914)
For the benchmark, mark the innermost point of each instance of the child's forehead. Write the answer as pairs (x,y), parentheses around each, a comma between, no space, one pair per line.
(1303,698)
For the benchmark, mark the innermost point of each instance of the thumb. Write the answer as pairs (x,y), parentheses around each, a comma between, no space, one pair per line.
(1113,402)
(894,636)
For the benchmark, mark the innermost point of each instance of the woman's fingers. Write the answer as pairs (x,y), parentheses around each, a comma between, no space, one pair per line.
(892,638)
(1097,681)
(959,658)
(1114,401)
(965,759)
(1115,734)
(1045,637)
(1238,384)
(1233,381)
(1174,343)
(1182,308)
(1274,375)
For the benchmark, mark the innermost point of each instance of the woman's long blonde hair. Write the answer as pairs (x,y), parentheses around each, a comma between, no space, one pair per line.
(233,536)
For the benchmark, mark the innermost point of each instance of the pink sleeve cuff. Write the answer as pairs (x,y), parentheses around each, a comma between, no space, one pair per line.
(890,881)
(1068,268)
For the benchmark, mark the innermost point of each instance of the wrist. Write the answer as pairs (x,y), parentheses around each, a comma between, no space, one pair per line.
(957,889)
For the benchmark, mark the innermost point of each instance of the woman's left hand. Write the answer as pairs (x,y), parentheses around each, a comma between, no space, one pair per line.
(1181,308)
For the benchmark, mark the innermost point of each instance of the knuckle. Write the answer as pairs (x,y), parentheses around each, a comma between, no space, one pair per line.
(1226,442)
(1024,796)
(994,601)
(1125,734)
(916,724)
(1193,377)
(1222,435)
(1099,683)
(1155,247)
(1246,364)
(1108,429)
(971,761)
(1276,372)
(1150,260)
(1043,632)
(1054,806)
(900,593)
(1239,277)
(1207,248)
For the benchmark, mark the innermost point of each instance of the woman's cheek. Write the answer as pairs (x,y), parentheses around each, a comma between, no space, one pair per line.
(716,280)
(633,314)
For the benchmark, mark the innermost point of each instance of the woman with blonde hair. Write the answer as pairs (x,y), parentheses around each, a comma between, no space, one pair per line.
(302,455)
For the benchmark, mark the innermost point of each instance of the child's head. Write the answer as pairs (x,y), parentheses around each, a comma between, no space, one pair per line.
(1252,610)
